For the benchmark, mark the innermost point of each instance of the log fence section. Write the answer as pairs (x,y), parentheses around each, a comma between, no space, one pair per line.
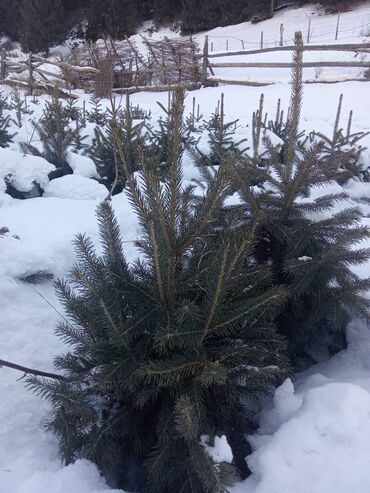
(163,68)
(357,48)
(32,66)
(290,64)
(113,67)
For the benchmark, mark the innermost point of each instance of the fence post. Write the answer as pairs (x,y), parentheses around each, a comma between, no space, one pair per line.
(309,30)
(261,40)
(205,60)
(212,46)
(243,46)
(281,34)
(227,44)
(30,75)
(337,29)
(3,64)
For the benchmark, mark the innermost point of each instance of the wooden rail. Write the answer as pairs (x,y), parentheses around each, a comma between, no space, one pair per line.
(163,88)
(336,47)
(211,64)
(289,64)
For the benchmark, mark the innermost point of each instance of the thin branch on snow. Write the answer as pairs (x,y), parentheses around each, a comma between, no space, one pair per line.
(30,371)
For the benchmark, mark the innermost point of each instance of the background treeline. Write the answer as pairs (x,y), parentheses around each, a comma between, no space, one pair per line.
(39,24)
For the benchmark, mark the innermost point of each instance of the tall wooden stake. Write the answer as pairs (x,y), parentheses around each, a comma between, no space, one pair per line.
(30,75)
(3,64)
(205,60)
(337,29)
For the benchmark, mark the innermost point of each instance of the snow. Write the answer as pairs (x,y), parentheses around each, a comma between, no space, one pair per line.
(316,437)
(220,451)
(314,434)
(330,429)
(357,189)
(82,165)
(45,227)
(305,258)
(23,171)
(75,187)
(81,477)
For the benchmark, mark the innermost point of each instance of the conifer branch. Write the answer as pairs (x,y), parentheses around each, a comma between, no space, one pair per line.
(156,262)
(220,284)
(295,104)
(337,118)
(244,187)
(109,316)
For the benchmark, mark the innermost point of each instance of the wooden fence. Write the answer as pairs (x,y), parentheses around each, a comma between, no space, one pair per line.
(209,66)
(35,65)
(167,65)
(109,67)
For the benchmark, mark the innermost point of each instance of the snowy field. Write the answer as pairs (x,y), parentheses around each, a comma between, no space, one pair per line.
(314,435)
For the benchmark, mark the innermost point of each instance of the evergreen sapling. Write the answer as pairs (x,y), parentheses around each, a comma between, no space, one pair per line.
(56,136)
(221,139)
(344,146)
(5,137)
(170,351)
(310,243)
(113,163)
(160,138)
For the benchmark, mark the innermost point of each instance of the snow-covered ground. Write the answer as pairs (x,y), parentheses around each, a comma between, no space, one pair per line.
(314,436)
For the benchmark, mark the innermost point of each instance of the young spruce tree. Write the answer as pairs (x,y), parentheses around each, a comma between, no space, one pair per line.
(169,351)
(117,147)
(5,136)
(310,242)
(56,136)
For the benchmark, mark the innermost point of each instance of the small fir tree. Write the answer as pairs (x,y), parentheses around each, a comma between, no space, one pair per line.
(221,139)
(344,145)
(56,136)
(97,115)
(310,246)
(167,352)
(5,136)
(160,138)
(112,162)
(18,103)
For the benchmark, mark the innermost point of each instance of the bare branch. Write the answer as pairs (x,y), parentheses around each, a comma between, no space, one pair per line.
(30,371)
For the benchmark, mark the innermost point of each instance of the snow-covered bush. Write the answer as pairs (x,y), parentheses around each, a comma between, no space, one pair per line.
(23,176)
